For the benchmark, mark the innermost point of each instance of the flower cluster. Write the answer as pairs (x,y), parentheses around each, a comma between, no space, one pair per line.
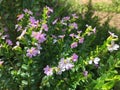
(33,22)
(34,28)
(63,65)
(78,39)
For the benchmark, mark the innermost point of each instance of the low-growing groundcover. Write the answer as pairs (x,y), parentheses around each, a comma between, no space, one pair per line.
(57,55)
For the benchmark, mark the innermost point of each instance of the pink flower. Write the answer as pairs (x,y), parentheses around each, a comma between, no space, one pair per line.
(72,35)
(79,32)
(65,64)
(45,27)
(74,25)
(33,22)
(39,36)
(85,73)
(55,21)
(66,18)
(74,45)
(74,57)
(48,71)
(20,16)
(74,16)
(81,40)
(49,9)
(5,29)
(18,27)
(28,11)
(32,52)
(9,42)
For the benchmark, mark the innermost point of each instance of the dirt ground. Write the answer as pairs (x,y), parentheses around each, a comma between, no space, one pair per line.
(114,17)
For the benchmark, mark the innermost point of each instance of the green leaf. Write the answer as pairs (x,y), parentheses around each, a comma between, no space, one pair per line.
(25,67)
(24,82)
(116,77)
(108,85)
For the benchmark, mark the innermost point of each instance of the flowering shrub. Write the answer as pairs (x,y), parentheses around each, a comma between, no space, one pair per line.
(53,55)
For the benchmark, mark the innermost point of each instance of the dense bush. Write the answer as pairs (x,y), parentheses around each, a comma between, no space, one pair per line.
(55,54)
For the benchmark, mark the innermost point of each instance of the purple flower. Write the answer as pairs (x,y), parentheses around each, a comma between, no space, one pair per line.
(72,35)
(55,21)
(33,22)
(45,27)
(38,46)
(74,45)
(79,32)
(39,36)
(81,40)
(74,16)
(49,9)
(66,18)
(48,71)
(18,27)
(74,57)
(20,16)
(5,29)
(32,52)
(25,10)
(28,11)
(9,42)
(74,25)
(85,73)
(65,64)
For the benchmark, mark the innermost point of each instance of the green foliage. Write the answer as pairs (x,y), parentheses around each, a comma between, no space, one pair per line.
(21,71)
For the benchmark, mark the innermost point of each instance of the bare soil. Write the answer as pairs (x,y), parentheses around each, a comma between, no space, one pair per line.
(114,17)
